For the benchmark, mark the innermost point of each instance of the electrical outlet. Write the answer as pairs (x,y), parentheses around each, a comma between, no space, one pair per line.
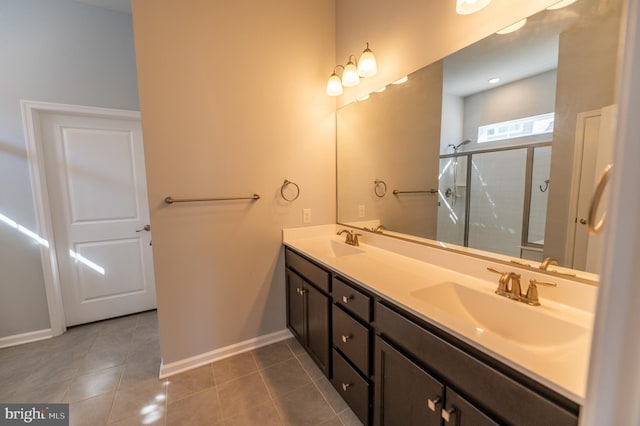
(306,215)
(361,210)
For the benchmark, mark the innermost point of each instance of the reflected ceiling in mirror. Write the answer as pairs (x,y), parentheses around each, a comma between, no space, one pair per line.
(494,149)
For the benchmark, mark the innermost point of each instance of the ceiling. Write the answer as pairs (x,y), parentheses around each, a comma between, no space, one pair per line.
(123,6)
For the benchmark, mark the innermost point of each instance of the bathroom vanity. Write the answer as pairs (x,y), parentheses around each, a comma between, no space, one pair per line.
(411,334)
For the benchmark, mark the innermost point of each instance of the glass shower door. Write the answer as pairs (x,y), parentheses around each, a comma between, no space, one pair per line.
(452,199)
(497,201)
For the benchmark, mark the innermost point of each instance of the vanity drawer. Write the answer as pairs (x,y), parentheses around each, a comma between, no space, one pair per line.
(498,394)
(309,270)
(351,299)
(351,338)
(351,387)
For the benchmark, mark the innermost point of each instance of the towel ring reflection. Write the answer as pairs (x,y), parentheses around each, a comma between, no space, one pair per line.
(285,185)
(380,184)
(546,186)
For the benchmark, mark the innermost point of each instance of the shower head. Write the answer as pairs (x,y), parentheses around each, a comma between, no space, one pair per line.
(464,142)
(456,147)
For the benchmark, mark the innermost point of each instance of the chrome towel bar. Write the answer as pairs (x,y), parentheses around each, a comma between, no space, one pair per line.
(428,191)
(171,200)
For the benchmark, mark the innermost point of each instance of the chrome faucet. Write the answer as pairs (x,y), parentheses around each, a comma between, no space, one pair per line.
(378,229)
(351,238)
(548,261)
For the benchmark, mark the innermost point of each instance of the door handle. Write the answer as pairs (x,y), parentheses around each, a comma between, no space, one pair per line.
(583,221)
(144,228)
(595,228)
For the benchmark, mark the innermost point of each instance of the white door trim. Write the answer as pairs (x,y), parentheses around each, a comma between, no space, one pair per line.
(31,111)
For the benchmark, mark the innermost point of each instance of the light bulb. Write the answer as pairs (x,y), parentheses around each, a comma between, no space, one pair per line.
(367,66)
(334,85)
(350,75)
(467,7)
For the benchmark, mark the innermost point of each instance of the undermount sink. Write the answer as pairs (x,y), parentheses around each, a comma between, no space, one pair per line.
(333,248)
(488,312)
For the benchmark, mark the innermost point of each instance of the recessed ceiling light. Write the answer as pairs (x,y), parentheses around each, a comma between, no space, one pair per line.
(401,80)
(494,80)
(561,4)
(513,27)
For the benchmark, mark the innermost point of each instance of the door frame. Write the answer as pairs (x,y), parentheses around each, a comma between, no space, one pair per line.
(31,112)
(578,153)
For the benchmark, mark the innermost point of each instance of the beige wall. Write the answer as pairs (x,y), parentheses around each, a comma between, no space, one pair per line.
(406,35)
(393,136)
(232,100)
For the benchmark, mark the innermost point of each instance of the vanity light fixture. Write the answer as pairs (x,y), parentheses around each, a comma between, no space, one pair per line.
(350,76)
(380,90)
(366,66)
(561,4)
(467,7)
(513,27)
(334,85)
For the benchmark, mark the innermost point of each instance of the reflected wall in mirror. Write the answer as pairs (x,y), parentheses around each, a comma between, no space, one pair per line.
(504,166)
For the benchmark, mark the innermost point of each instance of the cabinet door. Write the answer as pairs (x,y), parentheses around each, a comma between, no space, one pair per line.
(459,412)
(405,394)
(317,315)
(295,305)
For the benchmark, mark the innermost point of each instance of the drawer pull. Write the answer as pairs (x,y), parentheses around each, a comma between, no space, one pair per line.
(433,403)
(298,290)
(449,414)
(345,299)
(346,386)
(346,338)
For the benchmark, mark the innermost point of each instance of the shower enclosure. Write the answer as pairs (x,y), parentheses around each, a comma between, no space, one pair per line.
(495,200)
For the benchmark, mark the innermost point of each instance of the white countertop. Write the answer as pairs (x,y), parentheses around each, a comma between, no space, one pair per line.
(398,270)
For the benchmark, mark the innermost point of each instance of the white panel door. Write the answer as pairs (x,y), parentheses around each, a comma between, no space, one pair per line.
(97,188)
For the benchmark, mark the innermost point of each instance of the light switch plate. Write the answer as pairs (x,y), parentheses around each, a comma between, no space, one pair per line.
(306,215)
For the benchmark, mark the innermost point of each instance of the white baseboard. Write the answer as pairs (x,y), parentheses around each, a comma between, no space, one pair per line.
(19,339)
(176,367)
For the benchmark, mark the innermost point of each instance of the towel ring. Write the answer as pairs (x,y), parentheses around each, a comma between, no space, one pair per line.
(284,186)
(377,184)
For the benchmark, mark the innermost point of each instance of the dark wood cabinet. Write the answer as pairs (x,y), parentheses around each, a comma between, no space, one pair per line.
(404,394)
(308,309)
(394,368)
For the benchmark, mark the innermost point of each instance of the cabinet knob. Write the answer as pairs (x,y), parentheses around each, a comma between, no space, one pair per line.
(433,403)
(346,338)
(298,290)
(345,299)
(448,415)
(346,386)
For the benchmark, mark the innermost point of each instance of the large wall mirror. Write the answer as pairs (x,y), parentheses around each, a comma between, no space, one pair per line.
(496,147)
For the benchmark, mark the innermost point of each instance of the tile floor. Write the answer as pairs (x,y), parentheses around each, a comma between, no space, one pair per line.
(108,373)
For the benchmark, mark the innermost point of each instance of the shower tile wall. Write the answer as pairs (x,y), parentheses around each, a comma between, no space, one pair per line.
(497,201)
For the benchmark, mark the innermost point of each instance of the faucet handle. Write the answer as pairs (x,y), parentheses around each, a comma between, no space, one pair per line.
(496,271)
(532,292)
(503,283)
